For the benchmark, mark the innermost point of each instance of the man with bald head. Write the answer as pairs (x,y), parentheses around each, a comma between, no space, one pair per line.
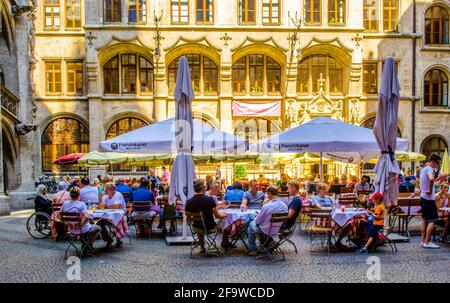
(125,190)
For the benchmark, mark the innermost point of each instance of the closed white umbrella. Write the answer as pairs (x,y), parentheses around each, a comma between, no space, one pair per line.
(183,172)
(385,132)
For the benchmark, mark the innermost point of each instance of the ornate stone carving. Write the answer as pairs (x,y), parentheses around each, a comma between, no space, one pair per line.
(24,128)
(292,113)
(354,111)
(337,110)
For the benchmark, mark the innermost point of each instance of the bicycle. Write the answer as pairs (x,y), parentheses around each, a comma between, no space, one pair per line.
(38,224)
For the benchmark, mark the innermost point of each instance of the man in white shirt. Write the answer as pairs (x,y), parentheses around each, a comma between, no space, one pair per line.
(88,193)
(427,200)
(111,200)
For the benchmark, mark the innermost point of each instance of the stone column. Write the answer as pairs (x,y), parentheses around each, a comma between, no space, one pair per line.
(160,91)
(4,199)
(28,156)
(226,92)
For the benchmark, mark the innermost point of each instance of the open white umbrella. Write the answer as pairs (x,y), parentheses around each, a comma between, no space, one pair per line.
(160,138)
(183,172)
(385,132)
(332,139)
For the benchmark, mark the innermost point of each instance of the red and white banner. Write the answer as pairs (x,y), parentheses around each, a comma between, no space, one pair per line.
(253,109)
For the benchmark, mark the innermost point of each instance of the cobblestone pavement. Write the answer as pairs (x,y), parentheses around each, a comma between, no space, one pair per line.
(24,259)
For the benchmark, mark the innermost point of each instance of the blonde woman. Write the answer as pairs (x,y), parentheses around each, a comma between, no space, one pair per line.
(442,199)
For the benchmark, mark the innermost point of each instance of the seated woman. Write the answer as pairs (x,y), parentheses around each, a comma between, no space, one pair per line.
(90,232)
(58,230)
(322,200)
(42,202)
(443,200)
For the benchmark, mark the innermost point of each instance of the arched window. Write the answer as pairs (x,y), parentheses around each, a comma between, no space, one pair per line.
(370,123)
(336,12)
(121,127)
(433,145)
(315,70)
(204,74)
(435,88)
(61,137)
(436,25)
(254,129)
(112,10)
(129,74)
(256,75)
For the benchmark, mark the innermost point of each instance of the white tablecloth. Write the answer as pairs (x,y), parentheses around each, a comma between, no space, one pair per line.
(341,218)
(112,215)
(234,214)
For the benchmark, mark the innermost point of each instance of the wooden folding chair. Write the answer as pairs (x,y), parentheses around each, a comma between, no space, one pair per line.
(142,207)
(73,221)
(322,216)
(233,204)
(349,200)
(209,235)
(283,236)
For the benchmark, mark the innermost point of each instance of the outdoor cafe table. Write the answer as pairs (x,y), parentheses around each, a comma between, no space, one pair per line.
(116,217)
(235,216)
(345,223)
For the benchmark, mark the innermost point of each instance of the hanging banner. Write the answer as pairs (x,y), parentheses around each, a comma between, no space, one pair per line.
(251,109)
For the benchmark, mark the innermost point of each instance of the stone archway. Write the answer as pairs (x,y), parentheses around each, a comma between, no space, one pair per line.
(10,160)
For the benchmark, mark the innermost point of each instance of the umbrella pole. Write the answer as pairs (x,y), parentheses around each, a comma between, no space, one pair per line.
(321,167)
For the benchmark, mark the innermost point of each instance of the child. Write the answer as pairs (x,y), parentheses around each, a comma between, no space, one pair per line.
(378,221)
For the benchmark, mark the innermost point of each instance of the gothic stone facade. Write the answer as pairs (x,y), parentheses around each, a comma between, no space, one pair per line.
(100,67)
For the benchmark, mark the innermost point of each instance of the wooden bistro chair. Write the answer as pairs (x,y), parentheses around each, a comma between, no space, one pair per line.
(73,220)
(209,235)
(234,204)
(404,218)
(363,195)
(349,200)
(283,236)
(323,230)
(129,211)
(142,207)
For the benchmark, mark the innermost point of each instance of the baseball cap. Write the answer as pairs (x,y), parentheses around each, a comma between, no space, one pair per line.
(376,196)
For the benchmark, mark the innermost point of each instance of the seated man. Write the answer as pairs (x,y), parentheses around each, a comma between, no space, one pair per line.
(74,205)
(406,186)
(143,194)
(124,189)
(235,194)
(322,200)
(111,200)
(201,203)
(253,198)
(214,191)
(364,184)
(294,204)
(262,222)
(88,193)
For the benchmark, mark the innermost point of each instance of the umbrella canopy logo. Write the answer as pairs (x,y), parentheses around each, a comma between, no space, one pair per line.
(114,146)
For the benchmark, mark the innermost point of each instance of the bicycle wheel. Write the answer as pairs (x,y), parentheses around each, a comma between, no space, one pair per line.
(38,225)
